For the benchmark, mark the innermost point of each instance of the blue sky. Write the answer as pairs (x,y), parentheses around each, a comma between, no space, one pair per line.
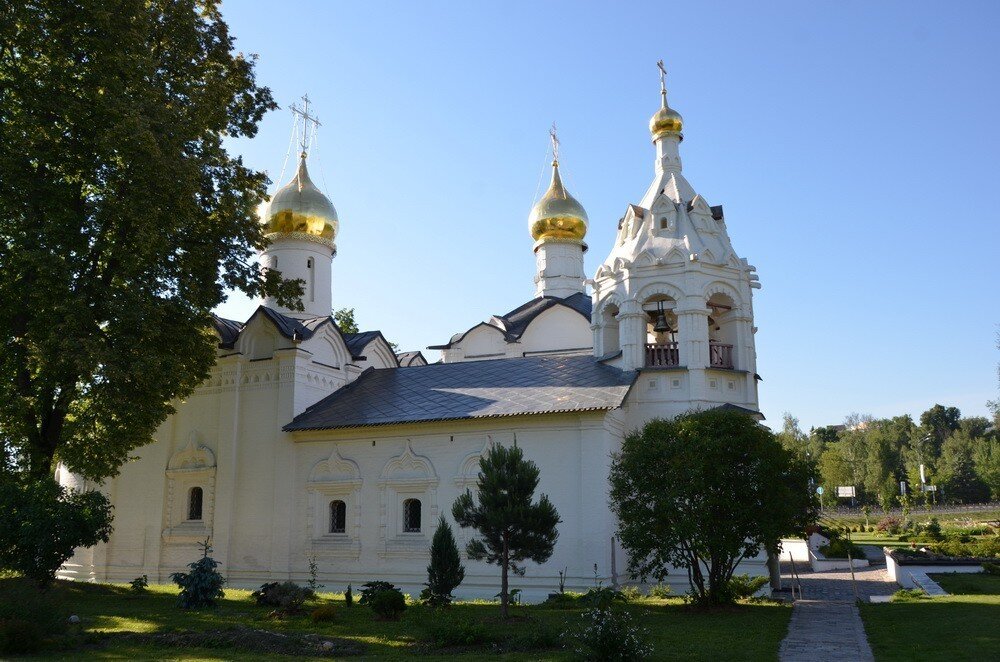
(853,144)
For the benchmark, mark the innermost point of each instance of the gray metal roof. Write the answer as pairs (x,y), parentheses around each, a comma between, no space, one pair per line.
(470,389)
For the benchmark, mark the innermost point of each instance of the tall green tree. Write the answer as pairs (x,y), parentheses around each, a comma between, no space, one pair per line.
(940,421)
(445,571)
(123,218)
(959,478)
(704,491)
(987,464)
(512,527)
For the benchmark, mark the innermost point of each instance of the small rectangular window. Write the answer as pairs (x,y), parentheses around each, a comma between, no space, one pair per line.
(411,516)
(338,517)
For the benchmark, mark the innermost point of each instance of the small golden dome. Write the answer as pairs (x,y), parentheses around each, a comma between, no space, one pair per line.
(299,207)
(666,121)
(557,215)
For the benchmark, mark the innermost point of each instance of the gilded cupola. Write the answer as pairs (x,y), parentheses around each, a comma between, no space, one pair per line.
(299,208)
(666,121)
(557,215)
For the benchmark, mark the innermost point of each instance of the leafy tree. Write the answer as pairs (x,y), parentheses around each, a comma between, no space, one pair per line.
(345,320)
(702,492)
(987,464)
(791,435)
(834,469)
(512,529)
(123,219)
(958,472)
(940,421)
(43,523)
(445,571)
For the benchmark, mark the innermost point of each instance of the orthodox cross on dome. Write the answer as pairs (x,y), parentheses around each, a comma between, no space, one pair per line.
(309,122)
(663,81)
(555,144)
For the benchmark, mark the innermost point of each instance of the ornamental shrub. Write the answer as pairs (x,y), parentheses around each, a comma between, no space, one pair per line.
(741,587)
(991,568)
(349,597)
(371,588)
(139,584)
(839,548)
(451,629)
(933,528)
(603,597)
(387,604)
(445,571)
(203,585)
(609,635)
(286,597)
(659,591)
(891,525)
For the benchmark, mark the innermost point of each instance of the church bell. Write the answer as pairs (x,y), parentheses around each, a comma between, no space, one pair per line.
(661,326)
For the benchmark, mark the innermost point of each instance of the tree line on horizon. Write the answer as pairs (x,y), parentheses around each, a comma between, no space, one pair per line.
(961,456)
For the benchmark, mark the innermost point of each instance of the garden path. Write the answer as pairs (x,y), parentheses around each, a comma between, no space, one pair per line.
(826,624)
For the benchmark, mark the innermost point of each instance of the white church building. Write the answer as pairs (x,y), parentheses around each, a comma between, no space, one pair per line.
(310,443)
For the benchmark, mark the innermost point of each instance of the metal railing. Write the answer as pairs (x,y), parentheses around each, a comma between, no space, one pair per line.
(796,583)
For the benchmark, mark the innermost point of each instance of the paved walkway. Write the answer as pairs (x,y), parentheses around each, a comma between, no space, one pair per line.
(825,623)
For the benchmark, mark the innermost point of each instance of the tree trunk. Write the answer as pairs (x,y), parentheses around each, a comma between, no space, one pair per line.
(505,561)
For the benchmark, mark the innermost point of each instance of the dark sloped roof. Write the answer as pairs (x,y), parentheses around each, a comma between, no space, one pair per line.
(516,322)
(228,330)
(406,358)
(469,389)
(293,329)
(356,342)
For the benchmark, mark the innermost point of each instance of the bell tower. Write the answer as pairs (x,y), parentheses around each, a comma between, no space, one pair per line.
(673,298)
(301,224)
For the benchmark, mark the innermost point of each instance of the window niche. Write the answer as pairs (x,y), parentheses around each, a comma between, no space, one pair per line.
(333,506)
(190,493)
(408,493)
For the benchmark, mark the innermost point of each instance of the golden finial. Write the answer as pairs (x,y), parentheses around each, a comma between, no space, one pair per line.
(666,121)
(557,216)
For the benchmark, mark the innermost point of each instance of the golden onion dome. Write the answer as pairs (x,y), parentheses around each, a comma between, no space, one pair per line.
(557,215)
(666,121)
(300,208)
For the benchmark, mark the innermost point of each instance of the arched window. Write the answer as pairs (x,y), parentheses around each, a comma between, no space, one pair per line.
(411,516)
(195,498)
(338,517)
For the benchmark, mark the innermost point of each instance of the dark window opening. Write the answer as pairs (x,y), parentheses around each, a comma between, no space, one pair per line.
(195,498)
(411,516)
(338,517)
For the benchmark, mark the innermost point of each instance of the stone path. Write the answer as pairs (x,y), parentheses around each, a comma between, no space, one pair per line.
(825,623)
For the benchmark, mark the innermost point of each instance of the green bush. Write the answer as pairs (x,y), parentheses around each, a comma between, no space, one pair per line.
(19,636)
(565,600)
(324,614)
(991,568)
(286,597)
(838,549)
(371,588)
(203,585)
(139,584)
(43,523)
(891,525)
(609,635)
(387,604)
(659,591)
(742,587)
(933,528)
(603,596)
(450,629)
(349,596)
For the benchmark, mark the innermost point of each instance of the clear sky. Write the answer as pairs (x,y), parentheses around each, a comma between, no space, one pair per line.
(854,145)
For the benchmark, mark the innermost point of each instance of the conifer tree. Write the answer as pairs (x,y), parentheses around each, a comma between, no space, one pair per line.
(512,528)
(446,571)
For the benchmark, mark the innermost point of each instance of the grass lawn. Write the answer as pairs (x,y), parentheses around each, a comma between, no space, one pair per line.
(961,626)
(744,632)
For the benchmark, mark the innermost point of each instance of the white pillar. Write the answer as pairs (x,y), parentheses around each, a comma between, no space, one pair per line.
(559,266)
(668,155)
(692,341)
(632,335)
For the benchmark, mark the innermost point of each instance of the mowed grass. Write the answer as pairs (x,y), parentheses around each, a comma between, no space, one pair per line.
(962,626)
(743,632)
